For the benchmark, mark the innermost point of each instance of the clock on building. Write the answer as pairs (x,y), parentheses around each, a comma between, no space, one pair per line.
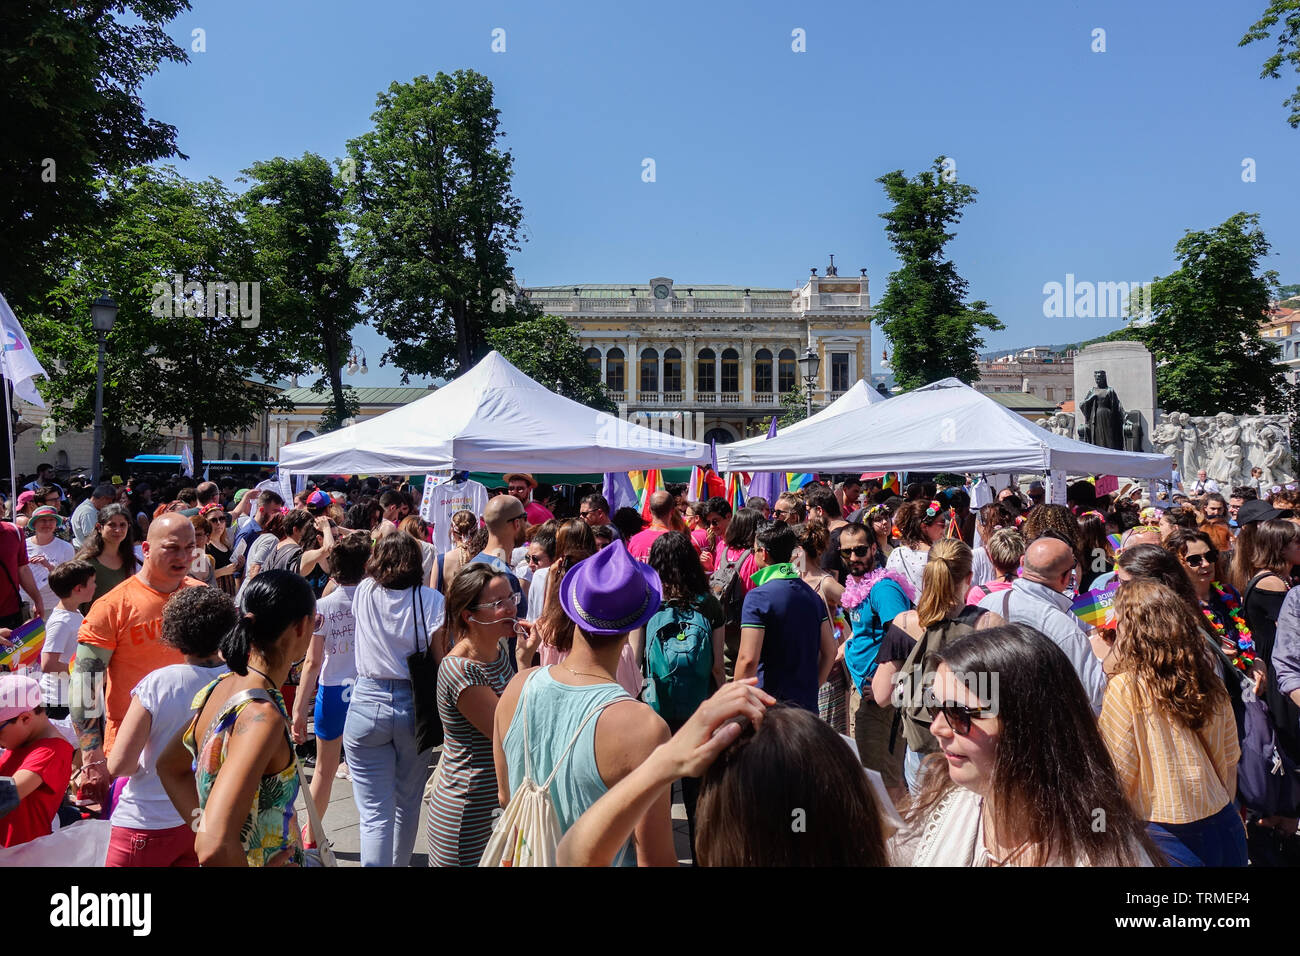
(661,291)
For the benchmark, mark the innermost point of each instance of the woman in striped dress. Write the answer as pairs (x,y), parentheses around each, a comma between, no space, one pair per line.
(481,614)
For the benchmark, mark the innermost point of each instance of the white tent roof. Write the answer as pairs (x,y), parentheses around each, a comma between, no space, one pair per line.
(946,426)
(855,399)
(492,418)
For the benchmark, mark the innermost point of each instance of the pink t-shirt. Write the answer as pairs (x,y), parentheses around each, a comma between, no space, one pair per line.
(537,513)
(639,544)
(977,593)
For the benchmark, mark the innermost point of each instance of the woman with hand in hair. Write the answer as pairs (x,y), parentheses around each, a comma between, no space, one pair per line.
(245,780)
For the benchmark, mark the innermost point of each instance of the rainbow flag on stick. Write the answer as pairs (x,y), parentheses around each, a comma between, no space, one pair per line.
(29,638)
(1097,608)
(654,480)
(735,491)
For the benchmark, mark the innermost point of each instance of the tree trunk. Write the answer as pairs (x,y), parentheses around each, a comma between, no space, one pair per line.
(332,363)
(464,353)
(196,443)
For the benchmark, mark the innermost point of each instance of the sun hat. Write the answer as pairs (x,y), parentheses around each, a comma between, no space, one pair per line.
(18,695)
(522,476)
(610,592)
(48,511)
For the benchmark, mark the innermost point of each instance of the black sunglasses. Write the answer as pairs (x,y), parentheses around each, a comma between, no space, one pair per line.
(1196,560)
(861,550)
(958,715)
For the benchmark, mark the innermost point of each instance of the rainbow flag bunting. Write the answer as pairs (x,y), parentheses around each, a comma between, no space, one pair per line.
(29,638)
(1097,608)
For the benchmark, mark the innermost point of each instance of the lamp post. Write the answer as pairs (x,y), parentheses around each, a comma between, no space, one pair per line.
(103,313)
(352,361)
(809,363)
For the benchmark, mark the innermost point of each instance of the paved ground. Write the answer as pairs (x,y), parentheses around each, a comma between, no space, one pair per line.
(343,825)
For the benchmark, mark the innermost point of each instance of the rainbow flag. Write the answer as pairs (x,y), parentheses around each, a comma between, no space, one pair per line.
(654,480)
(735,491)
(1114,540)
(795,480)
(891,482)
(1096,608)
(30,638)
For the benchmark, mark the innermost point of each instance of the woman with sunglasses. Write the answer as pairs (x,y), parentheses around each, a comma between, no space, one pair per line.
(482,615)
(219,548)
(396,614)
(880,522)
(1022,777)
(1168,724)
(920,524)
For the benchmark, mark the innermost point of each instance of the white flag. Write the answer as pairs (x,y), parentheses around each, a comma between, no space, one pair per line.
(187,461)
(19,363)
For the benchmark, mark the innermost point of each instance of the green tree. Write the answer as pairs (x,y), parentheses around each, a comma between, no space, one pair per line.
(547,350)
(295,212)
(1205,324)
(933,331)
(435,222)
(70,76)
(795,407)
(175,356)
(1285,15)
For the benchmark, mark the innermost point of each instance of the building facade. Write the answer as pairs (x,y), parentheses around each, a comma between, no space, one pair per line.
(1036,371)
(713,361)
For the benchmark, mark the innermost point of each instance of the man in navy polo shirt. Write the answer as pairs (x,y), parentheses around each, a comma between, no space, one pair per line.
(785,632)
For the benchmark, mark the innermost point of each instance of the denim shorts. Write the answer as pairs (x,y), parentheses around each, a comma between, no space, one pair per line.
(331,710)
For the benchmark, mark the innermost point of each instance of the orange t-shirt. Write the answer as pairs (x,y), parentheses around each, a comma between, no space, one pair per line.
(128,621)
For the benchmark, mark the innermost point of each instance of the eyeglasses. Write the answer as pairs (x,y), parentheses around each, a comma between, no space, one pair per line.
(957,715)
(535,559)
(512,600)
(1196,560)
(861,550)
(714,521)
(782,511)
(583,514)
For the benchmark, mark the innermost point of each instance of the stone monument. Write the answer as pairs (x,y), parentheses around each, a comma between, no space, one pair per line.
(1102,415)
(1131,375)
(1228,447)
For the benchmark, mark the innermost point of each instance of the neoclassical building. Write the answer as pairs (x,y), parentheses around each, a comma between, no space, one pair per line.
(712,361)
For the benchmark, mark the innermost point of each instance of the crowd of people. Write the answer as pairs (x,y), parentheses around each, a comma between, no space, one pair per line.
(848,675)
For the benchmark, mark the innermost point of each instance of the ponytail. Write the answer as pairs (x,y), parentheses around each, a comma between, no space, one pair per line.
(948,567)
(269,605)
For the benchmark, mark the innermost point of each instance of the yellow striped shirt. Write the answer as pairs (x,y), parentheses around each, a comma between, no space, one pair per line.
(1171,774)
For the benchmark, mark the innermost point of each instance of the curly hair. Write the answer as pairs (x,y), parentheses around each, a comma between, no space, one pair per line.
(1158,639)
(395,562)
(682,578)
(1041,519)
(910,520)
(813,539)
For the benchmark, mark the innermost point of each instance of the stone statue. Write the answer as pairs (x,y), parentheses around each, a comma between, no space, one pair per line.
(1167,438)
(1134,431)
(1191,462)
(1063,424)
(1103,414)
(1276,458)
(1225,462)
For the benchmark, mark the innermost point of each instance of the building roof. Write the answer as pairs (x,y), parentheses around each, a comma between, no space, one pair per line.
(606,291)
(396,395)
(1021,401)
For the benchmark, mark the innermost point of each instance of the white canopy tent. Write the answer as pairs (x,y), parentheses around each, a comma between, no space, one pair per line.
(945,426)
(493,418)
(860,396)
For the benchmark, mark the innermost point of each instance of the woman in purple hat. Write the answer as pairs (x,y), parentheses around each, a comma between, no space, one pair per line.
(575,720)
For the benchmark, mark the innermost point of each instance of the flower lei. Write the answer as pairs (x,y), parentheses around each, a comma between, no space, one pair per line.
(856,589)
(1245,657)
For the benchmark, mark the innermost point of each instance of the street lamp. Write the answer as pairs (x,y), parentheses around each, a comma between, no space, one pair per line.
(809,363)
(103,313)
(352,361)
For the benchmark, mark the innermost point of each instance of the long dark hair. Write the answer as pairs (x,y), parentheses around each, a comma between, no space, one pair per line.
(743,527)
(1052,771)
(674,558)
(794,766)
(1154,562)
(574,542)
(268,605)
(94,545)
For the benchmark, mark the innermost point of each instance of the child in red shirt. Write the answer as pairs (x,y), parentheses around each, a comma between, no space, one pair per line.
(35,755)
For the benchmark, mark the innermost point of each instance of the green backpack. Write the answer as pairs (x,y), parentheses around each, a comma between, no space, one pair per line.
(678,661)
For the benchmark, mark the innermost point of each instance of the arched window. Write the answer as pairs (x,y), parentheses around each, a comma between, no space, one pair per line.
(614,370)
(672,371)
(720,435)
(706,381)
(785,378)
(593,360)
(649,370)
(730,370)
(763,372)
(303,436)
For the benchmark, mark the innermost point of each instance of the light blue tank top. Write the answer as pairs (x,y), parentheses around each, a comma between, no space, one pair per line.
(554,714)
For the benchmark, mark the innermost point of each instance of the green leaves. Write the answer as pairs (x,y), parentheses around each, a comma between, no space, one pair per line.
(1205,327)
(435,222)
(547,350)
(933,332)
(1287,14)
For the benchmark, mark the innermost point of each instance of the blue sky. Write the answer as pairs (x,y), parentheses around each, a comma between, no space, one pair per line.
(1091,163)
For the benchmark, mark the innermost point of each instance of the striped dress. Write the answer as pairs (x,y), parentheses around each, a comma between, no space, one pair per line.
(465,796)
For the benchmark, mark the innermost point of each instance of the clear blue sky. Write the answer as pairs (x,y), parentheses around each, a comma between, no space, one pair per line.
(766,159)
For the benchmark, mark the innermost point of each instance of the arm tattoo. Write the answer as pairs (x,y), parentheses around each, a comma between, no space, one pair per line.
(87,699)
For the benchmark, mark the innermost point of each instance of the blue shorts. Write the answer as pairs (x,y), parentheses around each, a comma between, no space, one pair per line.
(331,710)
